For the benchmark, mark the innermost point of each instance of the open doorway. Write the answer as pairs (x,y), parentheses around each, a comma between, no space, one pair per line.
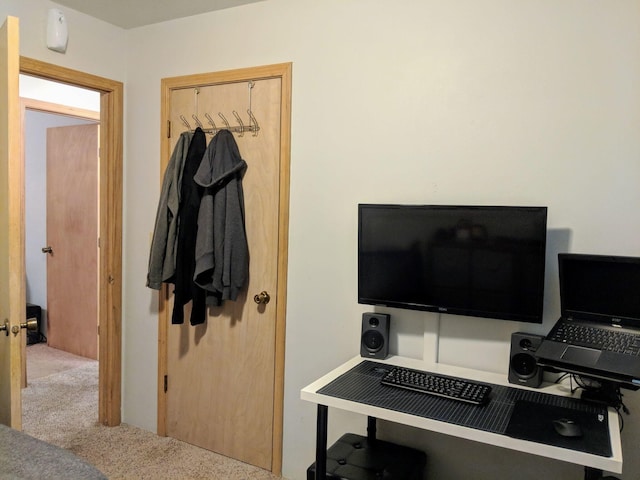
(60,145)
(110,226)
(60,149)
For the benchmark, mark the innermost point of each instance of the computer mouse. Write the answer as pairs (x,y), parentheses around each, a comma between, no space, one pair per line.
(567,427)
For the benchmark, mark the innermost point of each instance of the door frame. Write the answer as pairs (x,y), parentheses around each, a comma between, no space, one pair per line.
(110,227)
(283,72)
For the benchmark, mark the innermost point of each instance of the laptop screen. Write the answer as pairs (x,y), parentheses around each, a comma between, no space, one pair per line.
(600,287)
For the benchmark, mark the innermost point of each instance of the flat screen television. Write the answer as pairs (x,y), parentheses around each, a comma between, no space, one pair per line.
(481,261)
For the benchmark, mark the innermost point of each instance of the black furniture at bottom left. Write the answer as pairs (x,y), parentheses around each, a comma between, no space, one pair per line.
(354,457)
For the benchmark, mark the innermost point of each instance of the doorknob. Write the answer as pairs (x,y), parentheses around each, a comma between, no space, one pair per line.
(262,298)
(48,250)
(31,325)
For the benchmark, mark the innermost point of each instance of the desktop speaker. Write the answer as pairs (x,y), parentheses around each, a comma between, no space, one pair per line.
(374,342)
(523,366)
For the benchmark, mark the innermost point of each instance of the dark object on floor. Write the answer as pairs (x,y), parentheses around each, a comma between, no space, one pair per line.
(26,457)
(34,311)
(354,457)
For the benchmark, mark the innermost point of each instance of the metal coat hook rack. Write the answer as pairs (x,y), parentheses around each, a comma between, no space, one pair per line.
(241,128)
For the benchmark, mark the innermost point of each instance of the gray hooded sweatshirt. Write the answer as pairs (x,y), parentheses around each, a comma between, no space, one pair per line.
(162,258)
(222,253)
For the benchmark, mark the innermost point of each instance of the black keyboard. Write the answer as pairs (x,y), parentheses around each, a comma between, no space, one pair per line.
(440,385)
(600,338)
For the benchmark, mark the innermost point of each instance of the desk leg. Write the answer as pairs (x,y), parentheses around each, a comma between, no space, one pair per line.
(592,473)
(371,429)
(321,442)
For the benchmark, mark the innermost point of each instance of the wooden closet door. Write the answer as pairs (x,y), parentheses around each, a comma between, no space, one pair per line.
(72,234)
(221,375)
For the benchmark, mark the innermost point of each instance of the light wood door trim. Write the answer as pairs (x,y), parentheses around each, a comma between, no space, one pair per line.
(110,200)
(282,71)
(55,108)
(12,283)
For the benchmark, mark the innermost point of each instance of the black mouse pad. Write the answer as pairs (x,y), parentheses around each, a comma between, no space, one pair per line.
(534,421)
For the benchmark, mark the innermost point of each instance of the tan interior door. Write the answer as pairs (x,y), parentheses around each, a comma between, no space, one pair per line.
(222,377)
(12,286)
(72,236)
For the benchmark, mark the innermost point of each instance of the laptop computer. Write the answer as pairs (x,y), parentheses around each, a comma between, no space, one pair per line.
(598,333)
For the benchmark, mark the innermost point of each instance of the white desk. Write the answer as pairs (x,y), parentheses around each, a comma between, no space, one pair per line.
(593,464)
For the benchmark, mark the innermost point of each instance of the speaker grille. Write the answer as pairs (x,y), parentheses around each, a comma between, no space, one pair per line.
(373,340)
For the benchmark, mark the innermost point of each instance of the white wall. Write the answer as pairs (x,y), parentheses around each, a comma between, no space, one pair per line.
(531,102)
(534,102)
(94,46)
(59,93)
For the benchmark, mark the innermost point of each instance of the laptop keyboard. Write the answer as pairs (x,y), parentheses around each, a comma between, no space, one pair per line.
(584,336)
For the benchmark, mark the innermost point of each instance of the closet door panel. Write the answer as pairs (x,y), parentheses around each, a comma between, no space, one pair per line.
(72,235)
(220,379)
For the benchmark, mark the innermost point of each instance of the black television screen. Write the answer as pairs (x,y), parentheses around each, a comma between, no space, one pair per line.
(482,261)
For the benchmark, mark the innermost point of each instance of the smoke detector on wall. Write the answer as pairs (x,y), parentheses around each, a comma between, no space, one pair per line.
(57,31)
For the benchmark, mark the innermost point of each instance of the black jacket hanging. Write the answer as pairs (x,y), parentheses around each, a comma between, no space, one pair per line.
(191,193)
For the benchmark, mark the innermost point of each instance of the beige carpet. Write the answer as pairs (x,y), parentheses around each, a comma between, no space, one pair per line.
(61,409)
(43,360)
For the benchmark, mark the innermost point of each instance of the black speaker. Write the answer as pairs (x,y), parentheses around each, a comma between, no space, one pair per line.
(523,367)
(374,342)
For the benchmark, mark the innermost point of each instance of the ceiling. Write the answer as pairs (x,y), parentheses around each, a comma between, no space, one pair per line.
(136,13)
